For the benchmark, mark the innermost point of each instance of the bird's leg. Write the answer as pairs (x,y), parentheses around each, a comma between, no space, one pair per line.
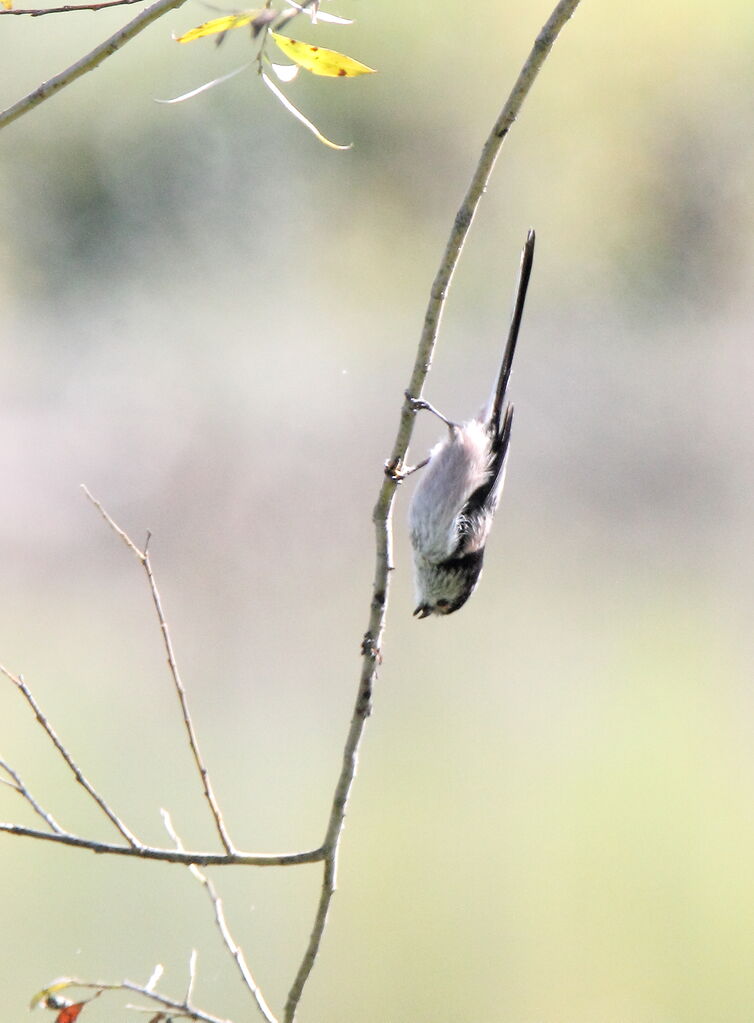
(419,405)
(415,468)
(398,473)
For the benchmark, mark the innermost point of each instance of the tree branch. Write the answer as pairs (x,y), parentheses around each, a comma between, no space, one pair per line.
(90,61)
(149,852)
(114,43)
(177,1008)
(38,12)
(201,767)
(394,473)
(22,790)
(19,683)
(234,949)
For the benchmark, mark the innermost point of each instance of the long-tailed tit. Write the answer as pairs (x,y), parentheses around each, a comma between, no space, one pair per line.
(455,501)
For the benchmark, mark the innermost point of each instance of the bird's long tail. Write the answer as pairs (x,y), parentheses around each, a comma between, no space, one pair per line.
(498,400)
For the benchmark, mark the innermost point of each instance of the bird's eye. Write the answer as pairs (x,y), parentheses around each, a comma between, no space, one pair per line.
(442,603)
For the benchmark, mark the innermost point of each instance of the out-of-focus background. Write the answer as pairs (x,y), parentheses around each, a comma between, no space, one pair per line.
(209,319)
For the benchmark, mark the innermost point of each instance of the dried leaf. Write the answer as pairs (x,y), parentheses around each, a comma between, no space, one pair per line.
(320,61)
(224,24)
(70,1014)
(298,115)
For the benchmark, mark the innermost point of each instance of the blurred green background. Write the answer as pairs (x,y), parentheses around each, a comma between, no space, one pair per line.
(209,318)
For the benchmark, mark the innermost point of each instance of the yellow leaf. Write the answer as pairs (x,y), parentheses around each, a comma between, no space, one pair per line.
(224,24)
(57,985)
(320,61)
(8,4)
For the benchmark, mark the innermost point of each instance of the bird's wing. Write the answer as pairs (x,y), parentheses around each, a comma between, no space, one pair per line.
(475,520)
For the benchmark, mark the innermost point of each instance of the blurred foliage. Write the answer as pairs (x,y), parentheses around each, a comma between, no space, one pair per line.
(210,319)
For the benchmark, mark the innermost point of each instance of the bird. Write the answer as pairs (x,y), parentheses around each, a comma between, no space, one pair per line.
(454,504)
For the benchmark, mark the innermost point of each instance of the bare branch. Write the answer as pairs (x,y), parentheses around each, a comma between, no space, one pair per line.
(189,725)
(19,683)
(38,12)
(148,852)
(235,951)
(228,940)
(143,556)
(22,790)
(464,218)
(90,61)
(382,515)
(315,939)
(178,1008)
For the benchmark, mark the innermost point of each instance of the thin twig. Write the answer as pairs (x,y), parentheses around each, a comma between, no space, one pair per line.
(22,790)
(192,974)
(187,721)
(140,554)
(382,515)
(235,951)
(18,681)
(38,12)
(143,556)
(156,974)
(148,852)
(217,905)
(90,61)
(179,1008)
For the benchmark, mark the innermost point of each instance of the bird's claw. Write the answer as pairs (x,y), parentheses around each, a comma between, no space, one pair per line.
(417,404)
(395,471)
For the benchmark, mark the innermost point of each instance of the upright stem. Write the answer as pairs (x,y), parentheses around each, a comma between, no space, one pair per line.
(382,515)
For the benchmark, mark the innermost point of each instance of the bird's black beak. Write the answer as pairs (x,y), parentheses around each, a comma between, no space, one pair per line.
(423,611)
